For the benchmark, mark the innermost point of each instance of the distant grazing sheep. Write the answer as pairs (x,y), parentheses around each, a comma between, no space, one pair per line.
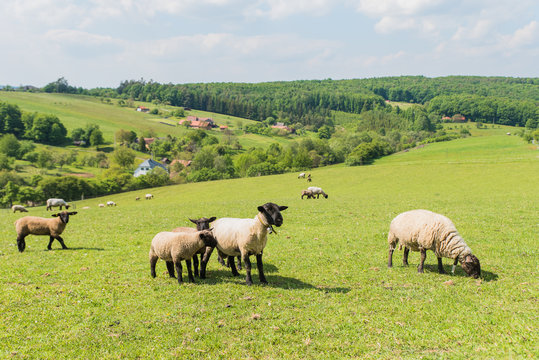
(111,203)
(101,205)
(173,247)
(202,224)
(33,225)
(307,193)
(86,207)
(20,208)
(246,237)
(149,196)
(137,198)
(317,191)
(422,230)
(301,175)
(56,203)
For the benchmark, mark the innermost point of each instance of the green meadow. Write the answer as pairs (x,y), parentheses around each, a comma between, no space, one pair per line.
(330,294)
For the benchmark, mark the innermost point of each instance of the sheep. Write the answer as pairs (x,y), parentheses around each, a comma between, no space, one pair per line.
(20,208)
(57,202)
(101,205)
(422,230)
(137,198)
(202,224)
(246,237)
(111,203)
(307,193)
(301,175)
(173,247)
(317,191)
(149,196)
(33,225)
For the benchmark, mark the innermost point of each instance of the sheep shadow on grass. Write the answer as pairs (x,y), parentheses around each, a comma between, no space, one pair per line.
(77,248)
(486,276)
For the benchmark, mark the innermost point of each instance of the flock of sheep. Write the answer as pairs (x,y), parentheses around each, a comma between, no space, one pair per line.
(416,230)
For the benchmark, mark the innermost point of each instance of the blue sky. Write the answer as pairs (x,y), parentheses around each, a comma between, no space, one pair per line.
(99,43)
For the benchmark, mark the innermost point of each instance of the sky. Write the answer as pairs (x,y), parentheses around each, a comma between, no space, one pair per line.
(100,43)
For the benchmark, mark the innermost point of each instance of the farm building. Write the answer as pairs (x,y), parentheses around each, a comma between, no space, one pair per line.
(147,166)
(143,109)
(198,123)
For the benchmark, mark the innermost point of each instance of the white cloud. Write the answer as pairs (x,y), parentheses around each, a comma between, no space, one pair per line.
(377,8)
(278,9)
(526,35)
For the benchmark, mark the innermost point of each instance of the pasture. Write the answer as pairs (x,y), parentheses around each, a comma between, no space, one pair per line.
(330,293)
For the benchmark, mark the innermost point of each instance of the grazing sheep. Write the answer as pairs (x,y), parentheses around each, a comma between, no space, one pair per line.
(137,198)
(307,193)
(301,175)
(111,203)
(149,196)
(173,247)
(56,202)
(101,205)
(309,178)
(33,225)
(20,208)
(246,237)
(317,191)
(86,207)
(202,224)
(422,230)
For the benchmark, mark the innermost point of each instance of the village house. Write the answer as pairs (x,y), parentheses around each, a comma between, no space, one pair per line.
(147,166)
(143,109)
(281,126)
(198,123)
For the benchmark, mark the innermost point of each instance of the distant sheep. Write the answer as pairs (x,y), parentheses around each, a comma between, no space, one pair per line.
(56,203)
(173,247)
(301,175)
(422,230)
(20,208)
(246,237)
(101,205)
(33,225)
(317,191)
(149,196)
(137,198)
(307,193)
(111,203)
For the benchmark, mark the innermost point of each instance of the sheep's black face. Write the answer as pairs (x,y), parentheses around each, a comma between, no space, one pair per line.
(203,223)
(64,216)
(207,237)
(272,212)
(471,266)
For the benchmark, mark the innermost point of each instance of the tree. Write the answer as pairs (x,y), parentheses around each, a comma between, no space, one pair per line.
(10,119)
(5,163)
(96,138)
(9,145)
(11,191)
(124,157)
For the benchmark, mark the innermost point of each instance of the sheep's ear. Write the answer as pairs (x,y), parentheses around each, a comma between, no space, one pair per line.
(72,213)
(212,219)
(282,208)
(193,221)
(261,209)
(55,215)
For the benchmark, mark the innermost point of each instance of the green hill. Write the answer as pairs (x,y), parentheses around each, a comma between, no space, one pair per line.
(330,294)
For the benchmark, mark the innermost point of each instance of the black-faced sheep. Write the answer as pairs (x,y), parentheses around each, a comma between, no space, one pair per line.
(173,247)
(317,191)
(20,208)
(149,196)
(422,230)
(57,203)
(246,237)
(111,203)
(307,193)
(301,175)
(33,225)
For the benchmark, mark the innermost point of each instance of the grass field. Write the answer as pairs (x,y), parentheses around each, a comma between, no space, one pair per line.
(330,294)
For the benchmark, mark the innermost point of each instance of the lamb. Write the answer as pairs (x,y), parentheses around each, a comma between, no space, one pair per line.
(149,196)
(101,205)
(202,224)
(20,208)
(56,202)
(173,247)
(307,193)
(317,191)
(111,203)
(246,237)
(301,175)
(33,225)
(422,230)
(137,198)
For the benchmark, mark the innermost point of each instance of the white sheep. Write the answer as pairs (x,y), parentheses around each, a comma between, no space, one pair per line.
(20,208)
(317,191)
(111,203)
(173,247)
(246,237)
(101,205)
(422,230)
(301,175)
(57,202)
(33,225)
(307,193)
(149,196)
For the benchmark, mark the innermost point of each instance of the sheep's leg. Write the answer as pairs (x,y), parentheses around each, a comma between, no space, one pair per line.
(61,242)
(178,266)
(440,266)
(260,267)
(170,268)
(423,257)
(233,266)
(454,266)
(204,261)
(49,247)
(390,258)
(21,244)
(247,262)
(405,256)
(222,261)
(239,263)
(190,270)
(153,261)
(195,263)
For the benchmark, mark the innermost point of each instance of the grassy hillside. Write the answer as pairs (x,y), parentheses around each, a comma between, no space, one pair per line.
(330,294)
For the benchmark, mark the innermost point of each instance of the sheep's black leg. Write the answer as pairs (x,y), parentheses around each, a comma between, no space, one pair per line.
(190,270)
(49,247)
(195,264)
(21,244)
(204,262)
(178,266)
(247,262)
(239,263)
(260,267)
(440,266)
(153,261)
(170,268)
(233,266)
(390,258)
(423,257)
(405,256)
(61,242)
